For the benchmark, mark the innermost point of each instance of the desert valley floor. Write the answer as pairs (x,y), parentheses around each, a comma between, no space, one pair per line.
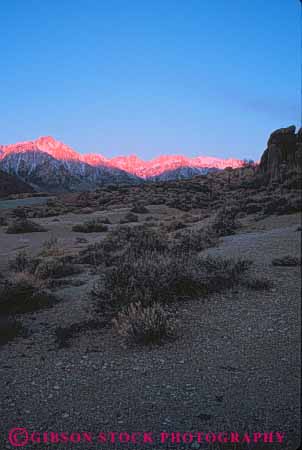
(234,365)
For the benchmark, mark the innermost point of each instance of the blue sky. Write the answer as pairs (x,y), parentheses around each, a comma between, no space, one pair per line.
(198,77)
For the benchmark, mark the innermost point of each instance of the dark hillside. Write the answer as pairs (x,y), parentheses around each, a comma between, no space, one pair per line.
(10,184)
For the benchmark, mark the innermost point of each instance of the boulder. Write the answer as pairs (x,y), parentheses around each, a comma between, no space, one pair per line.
(283,154)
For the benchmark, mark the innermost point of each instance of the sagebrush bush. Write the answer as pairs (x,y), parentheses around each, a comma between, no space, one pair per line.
(174,226)
(92,226)
(145,324)
(153,277)
(3,221)
(10,328)
(287,261)
(222,273)
(257,283)
(52,247)
(20,212)
(129,218)
(23,262)
(150,278)
(139,239)
(93,254)
(51,267)
(196,240)
(225,222)
(20,226)
(24,293)
(139,209)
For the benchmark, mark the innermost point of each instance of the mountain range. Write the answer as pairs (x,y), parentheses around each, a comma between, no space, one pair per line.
(48,164)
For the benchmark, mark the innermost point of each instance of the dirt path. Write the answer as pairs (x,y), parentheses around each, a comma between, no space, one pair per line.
(235,365)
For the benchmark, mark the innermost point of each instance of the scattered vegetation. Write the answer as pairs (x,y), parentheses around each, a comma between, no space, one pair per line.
(20,226)
(196,240)
(153,277)
(52,247)
(139,239)
(225,222)
(139,209)
(129,218)
(51,267)
(257,283)
(174,226)
(3,221)
(287,261)
(92,226)
(23,262)
(24,293)
(10,328)
(145,324)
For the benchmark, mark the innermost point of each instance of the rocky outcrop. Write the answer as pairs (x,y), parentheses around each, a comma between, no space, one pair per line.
(283,157)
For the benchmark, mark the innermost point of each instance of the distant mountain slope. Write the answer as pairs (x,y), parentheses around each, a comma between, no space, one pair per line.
(180,173)
(10,184)
(52,165)
(164,163)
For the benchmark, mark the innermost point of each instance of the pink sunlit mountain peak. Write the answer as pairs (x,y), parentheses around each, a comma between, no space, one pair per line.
(131,163)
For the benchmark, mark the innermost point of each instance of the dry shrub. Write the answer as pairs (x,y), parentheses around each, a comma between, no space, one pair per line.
(163,278)
(3,221)
(139,239)
(24,293)
(287,261)
(93,254)
(139,209)
(23,262)
(225,223)
(10,328)
(104,220)
(151,219)
(129,218)
(52,247)
(150,278)
(196,240)
(189,218)
(222,273)
(51,267)
(257,283)
(174,226)
(20,226)
(20,212)
(145,324)
(92,226)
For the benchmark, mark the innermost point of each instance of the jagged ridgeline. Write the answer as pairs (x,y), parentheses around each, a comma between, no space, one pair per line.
(49,165)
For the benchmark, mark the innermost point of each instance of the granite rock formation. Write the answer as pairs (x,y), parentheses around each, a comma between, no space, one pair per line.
(282,158)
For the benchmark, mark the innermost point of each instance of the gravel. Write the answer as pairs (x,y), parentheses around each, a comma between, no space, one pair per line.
(235,365)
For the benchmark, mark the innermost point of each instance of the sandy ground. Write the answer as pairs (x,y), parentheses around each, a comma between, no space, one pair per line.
(235,365)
